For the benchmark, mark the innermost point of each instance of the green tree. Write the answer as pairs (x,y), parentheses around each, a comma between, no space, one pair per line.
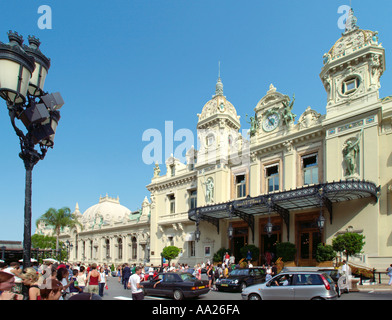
(59,219)
(170,252)
(47,242)
(349,243)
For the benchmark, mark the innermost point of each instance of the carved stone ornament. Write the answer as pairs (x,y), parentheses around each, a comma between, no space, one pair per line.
(309,118)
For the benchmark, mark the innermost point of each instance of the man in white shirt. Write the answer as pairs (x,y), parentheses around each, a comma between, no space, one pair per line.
(134,284)
(150,272)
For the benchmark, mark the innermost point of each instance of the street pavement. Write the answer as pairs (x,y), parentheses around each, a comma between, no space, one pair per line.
(117,292)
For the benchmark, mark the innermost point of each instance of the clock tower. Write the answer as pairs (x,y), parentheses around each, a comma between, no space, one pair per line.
(273,114)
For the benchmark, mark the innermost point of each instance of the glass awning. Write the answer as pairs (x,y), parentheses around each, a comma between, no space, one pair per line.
(284,202)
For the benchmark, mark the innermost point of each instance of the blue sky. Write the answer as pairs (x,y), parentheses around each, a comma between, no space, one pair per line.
(125,66)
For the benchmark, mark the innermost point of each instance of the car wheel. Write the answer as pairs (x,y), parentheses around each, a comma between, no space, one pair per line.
(178,295)
(254,296)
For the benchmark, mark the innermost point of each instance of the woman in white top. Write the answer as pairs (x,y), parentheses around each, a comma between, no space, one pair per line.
(102,283)
(82,278)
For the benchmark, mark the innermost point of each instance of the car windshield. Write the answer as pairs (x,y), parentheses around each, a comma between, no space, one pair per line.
(239,272)
(187,277)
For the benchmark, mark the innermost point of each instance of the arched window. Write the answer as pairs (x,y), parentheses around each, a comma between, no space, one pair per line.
(84,250)
(120,247)
(134,248)
(76,246)
(107,246)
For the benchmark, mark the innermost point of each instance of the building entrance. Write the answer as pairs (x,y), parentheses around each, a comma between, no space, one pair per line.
(268,243)
(239,240)
(308,238)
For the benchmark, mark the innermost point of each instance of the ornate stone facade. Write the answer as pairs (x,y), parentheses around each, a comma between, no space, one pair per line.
(283,157)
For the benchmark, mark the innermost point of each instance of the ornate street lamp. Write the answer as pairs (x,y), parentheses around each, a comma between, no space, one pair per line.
(230,231)
(197,233)
(321,219)
(269,226)
(23,70)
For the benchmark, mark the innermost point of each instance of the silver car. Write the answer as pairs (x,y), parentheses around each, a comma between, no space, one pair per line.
(293,286)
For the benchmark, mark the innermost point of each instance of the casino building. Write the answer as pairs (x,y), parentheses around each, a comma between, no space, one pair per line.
(300,179)
(303,179)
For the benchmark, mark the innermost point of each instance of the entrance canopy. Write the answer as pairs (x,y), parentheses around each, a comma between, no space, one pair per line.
(284,202)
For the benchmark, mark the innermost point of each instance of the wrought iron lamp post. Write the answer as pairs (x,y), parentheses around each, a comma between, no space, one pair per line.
(321,219)
(269,226)
(23,70)
(197,232)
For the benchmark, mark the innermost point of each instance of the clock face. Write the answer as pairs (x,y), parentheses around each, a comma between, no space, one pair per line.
(271,122)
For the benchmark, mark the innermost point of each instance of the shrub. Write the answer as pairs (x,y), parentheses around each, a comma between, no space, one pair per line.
(253,250)
(218,256)
(286,250)
(325,252)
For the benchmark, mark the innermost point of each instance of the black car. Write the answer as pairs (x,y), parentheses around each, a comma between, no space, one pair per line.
(239,279)
(177,285)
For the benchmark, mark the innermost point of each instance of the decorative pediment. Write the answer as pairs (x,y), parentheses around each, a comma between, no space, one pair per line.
(271,99)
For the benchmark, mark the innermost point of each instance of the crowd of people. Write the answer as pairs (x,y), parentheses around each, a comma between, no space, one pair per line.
(75,281)
(53,281)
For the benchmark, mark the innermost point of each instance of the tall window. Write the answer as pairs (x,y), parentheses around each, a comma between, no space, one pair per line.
(76,246)
(272,178)
(240,182)
(107,245)
(192,248)
(310,169)
(173,170)
(172,203)
(192,199)
(134,248)
(120,248)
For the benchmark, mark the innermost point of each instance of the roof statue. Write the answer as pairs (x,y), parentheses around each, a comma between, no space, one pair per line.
(351,22)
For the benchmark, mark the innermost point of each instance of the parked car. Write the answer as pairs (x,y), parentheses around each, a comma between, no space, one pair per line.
(297,285)
(340,281)
(177,285)
(239,279)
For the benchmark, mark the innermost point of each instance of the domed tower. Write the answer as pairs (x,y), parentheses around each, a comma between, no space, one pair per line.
(351,76)
(220,148)
(217,128)
(352,70)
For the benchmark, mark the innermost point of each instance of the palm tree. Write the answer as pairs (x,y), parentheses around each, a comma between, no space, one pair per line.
(59,219)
